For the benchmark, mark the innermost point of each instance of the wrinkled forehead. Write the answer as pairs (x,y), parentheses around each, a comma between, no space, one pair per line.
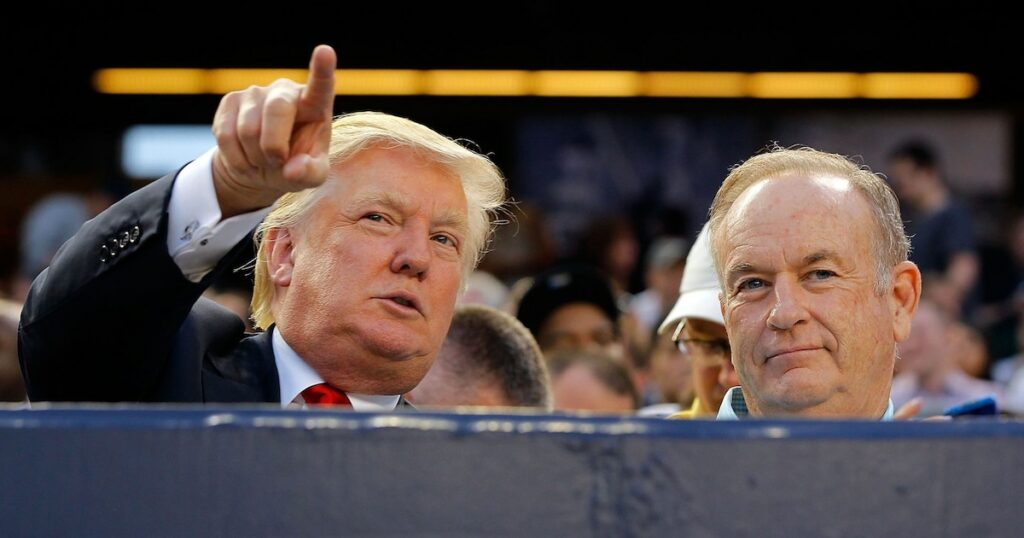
(795,213)
(770,194)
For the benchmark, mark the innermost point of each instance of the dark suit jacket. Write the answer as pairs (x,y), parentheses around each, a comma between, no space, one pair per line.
(113,319)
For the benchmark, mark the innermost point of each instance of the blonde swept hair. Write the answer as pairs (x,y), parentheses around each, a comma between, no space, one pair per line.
(481,180)
(890,243)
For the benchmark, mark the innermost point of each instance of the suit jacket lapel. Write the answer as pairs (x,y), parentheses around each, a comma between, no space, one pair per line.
(247,373)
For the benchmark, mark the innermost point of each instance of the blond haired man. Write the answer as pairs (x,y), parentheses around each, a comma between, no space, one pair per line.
(369,224)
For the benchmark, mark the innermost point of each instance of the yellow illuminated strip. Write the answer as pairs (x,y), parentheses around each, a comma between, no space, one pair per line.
(695,84)
(803,85)
(556,83)
(587,83)
(463,82)
(919,85)
(228,80)
(150,81)
(379,82)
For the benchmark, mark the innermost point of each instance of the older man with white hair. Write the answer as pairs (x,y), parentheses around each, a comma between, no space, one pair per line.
(816,286)
(369,224)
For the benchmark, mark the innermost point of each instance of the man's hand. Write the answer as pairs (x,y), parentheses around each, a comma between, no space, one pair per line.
(274,139)
(910,410)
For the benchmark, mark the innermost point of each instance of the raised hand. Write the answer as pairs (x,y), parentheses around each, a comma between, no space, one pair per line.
(274,139)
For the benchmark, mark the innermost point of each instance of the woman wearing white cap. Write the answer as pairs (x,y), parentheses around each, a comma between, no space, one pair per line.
(699,331)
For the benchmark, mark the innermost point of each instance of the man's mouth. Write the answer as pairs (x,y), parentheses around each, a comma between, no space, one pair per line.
(787,351)
(405,300)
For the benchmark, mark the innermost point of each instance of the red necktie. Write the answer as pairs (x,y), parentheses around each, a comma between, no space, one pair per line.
(324,394)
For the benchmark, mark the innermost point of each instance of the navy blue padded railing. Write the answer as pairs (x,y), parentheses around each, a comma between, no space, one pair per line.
(145,471)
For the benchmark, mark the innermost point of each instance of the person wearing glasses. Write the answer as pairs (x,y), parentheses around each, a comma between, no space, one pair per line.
(699,332)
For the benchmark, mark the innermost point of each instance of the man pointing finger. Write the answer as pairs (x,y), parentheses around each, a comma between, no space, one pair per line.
(374,223)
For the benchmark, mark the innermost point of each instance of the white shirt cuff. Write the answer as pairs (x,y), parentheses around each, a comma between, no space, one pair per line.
(197,238)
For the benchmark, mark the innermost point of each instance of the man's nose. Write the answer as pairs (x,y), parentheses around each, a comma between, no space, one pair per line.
(412,252)
(789,309)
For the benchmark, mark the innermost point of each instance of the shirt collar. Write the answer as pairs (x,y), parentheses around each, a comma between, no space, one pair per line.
(734,407)
(296,376)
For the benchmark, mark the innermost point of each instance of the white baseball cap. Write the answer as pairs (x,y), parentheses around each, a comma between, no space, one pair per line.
(698,292)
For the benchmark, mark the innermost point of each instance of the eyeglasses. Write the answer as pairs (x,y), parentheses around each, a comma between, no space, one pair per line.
(706,352)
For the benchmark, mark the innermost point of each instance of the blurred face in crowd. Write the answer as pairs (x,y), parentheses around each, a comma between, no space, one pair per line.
(968,346)
(670,367)
(911,182)
(666,282)
(579,389)
(713,374)
(622,254)
(927,347)
(810,334)
(579,326)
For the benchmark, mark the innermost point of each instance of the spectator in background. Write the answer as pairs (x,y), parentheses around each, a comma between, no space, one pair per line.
(1009,374)
(572,307)
(48,224)
(484,288)
(522,248)
(671,377)
(665,260)
(1006,368)
(610,245)
(12,386)
(586,380)
(968,347)
(696,327)
(488,359)
(929,370)
(940,227)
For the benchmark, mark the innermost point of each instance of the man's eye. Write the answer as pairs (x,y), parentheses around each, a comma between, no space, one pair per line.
(751,284)
(822,274)
(444,239)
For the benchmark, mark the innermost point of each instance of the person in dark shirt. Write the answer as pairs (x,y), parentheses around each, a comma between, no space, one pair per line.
(940,227)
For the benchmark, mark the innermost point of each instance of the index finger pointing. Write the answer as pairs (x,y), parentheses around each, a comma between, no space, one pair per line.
(317,101)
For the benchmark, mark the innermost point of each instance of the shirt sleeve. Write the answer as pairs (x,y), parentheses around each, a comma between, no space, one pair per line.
(197,238)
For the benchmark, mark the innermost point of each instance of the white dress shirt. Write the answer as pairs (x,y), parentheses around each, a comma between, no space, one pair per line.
(296,376)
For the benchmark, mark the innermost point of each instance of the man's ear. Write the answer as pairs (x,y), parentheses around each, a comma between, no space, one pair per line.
(904,297)
(280,261)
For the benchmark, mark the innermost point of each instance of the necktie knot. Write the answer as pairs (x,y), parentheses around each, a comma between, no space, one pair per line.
(324,394)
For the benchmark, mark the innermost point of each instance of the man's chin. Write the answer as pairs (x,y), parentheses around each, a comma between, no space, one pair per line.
(375,374)
(396,350)
(795,400)
(392,340)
